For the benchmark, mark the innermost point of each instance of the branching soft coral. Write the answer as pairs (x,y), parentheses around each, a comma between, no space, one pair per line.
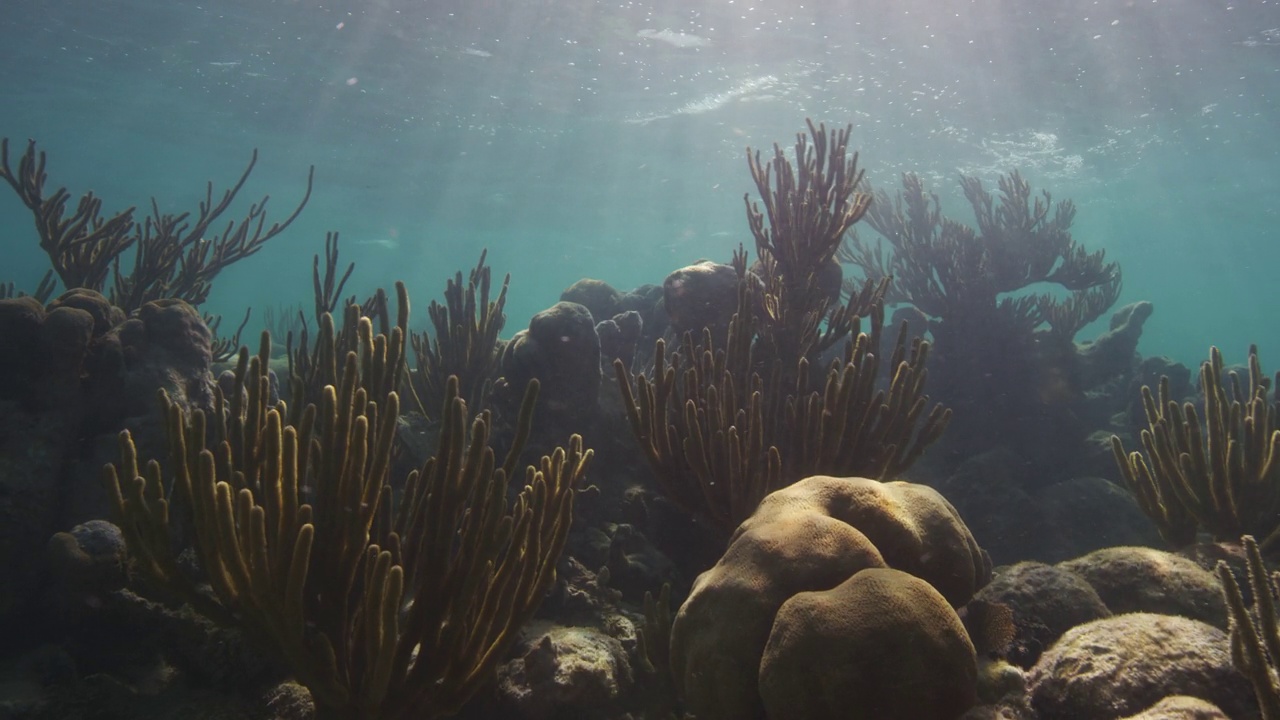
(1003,347)
(952,272)
(725,421)
(175,255)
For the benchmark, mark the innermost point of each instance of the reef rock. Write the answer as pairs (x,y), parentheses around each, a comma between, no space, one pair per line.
(1143,579)
(1046,602)
(1181,707)
(1121,665)
(563,672)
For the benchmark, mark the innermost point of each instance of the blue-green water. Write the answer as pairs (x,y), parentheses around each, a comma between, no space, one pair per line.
(606,139)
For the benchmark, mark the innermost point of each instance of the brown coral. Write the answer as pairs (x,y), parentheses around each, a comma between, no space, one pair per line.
(812,537)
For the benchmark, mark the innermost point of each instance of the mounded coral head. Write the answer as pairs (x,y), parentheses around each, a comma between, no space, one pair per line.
(620,334)
(562,350)
(1117,666)
(890,648)
(813,537)
(178,327)
(105,315)
(597,296)
(48,349)
(165,344)
(704,295)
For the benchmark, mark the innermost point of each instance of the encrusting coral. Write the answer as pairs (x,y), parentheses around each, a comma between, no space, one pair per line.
(385,602)
(1220,475)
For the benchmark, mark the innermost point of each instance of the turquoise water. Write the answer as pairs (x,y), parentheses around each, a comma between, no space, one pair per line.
(606,139)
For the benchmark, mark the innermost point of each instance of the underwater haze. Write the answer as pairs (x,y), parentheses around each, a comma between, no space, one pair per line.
(607,139)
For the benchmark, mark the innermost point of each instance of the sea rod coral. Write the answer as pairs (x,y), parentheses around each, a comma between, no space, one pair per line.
(384,604)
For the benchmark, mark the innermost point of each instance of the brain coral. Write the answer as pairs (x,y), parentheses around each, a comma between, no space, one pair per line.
(787,580)
(882,645)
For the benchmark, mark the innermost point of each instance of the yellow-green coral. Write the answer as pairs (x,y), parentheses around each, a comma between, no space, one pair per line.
(384,605)
(1255,637)
(724,421)
(1221,475)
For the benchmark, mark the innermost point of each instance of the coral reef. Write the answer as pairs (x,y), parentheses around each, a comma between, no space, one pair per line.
(298,548)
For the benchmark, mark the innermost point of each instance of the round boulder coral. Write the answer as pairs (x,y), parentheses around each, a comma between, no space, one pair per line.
(704,295)
(562,350)
(597,296)
(810,537)
(882,645)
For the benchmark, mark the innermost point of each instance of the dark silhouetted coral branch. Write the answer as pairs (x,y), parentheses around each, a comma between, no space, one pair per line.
(179,255)
(224,348)
(328,291)
(807,209)
(950,271)
(83,247)
(175,255)
(43,292)
(808,206)
(463,342)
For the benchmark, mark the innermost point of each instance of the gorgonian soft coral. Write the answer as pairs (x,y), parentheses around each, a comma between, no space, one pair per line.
(1003,299)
